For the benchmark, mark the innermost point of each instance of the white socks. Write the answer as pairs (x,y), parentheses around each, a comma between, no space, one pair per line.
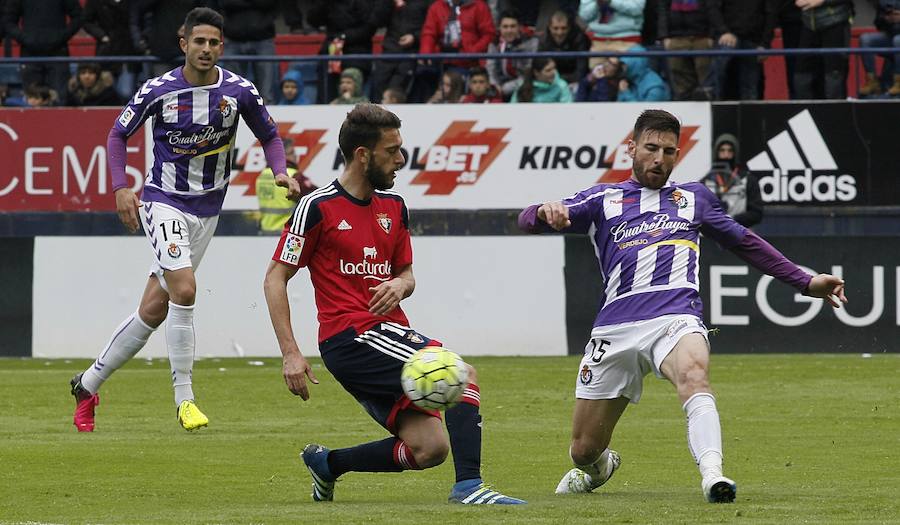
(704,433)
(126,341)
(180,340)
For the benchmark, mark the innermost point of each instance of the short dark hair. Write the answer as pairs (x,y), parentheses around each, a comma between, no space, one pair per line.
(478,71)
(510,12)
(203,16)
(656,120)
(363,127)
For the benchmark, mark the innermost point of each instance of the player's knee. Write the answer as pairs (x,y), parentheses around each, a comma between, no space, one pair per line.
(432,453)
(585,451)
(183,292)
(693,378)
(153,314)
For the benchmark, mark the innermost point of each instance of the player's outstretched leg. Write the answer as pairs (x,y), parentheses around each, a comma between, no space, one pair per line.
(464,427)
(387,455)
(705,441)
(128,338)
(585,478)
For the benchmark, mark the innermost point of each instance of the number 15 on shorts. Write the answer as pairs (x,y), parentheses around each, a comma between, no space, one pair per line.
(598,348)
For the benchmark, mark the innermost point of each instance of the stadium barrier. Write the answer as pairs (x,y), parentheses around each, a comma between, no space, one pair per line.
(72,273)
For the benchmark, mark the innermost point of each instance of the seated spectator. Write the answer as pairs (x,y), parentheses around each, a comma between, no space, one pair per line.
(615,24)
(737,189)
(562,34)
(481,91)
(543,84)
(639,83)
(393,95)
(887,22)
(92,86)
(35,96)
(457,26)
(508,73)
(451,89)
(292,89)
(350,87)
(824,25)
(601,84)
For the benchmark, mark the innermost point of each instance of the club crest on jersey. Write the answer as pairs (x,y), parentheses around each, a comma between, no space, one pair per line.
(415,338)
(384,221)
(174,250)
(586,375)
(679,199)
(225,108)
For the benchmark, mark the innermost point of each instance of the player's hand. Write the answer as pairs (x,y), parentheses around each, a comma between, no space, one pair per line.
(296,369)
(728,40)
(556,214)
(386,296)
(127,205)
(291,184)
(827,287)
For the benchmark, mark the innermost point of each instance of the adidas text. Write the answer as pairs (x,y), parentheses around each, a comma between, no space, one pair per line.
(795,187)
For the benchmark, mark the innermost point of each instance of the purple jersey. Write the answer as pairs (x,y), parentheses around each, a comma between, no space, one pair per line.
(193,133)
(648,245)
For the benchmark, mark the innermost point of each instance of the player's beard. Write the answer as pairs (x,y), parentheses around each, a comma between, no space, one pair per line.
(378,178)
(651,180)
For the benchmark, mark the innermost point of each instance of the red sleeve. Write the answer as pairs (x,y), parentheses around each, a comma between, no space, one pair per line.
(430,31)
(300,236)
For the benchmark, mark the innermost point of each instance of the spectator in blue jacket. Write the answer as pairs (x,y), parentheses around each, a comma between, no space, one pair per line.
(542,84)
(640,83)
(292,89)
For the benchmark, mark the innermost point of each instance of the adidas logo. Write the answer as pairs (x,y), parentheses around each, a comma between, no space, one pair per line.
(793,157)
(344,225)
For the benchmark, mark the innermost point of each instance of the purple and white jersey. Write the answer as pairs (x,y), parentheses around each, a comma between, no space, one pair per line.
(193,134)
(648,245)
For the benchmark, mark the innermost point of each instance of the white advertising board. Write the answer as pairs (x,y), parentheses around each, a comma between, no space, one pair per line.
(483,156)
(478,295)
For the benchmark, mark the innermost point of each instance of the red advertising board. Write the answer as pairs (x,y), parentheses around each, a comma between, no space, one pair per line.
(55,159)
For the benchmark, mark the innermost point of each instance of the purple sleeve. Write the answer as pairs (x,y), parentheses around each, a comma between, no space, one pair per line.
(765,258)
(257,116)
(274,150)
(715,223)
(529,222)
(117,154)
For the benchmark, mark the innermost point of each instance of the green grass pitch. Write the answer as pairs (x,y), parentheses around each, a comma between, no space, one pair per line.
(808,438)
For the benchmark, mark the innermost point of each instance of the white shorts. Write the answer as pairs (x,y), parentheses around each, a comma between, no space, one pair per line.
(178,239)
(618,356)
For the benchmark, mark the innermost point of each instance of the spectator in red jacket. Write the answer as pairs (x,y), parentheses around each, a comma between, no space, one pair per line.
(481,91)
(457,26)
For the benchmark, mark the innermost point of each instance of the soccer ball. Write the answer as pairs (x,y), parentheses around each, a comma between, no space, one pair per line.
(434,378)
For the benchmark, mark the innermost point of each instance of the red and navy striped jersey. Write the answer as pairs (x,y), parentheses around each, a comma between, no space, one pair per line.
(349,246)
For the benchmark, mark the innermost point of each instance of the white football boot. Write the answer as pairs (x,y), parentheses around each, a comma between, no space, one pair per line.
(578,481)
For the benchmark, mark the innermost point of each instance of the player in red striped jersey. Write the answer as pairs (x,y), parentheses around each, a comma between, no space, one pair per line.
(353,236)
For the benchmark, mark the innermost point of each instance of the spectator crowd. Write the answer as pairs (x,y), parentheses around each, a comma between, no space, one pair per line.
(507,28)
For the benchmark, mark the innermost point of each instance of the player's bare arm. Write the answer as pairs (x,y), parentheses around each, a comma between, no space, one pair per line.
(387,295)
(292,185)
(295,368)
(555,214)
(828,287)
(127,205)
